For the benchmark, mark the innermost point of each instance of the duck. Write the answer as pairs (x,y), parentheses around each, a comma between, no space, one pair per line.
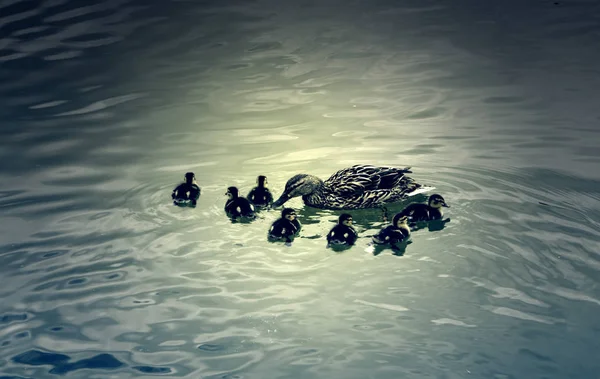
(397,232)
(356,187)
(285,228)
(343,233)
(426,212)
(188,192)
(260,195)
(238,206)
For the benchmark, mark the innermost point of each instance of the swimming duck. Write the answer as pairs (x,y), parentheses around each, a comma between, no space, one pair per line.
(426,212)
(359,186)
(260,195)
(395,233)
(343,233)
(188,192)
(286,228)
(238,206)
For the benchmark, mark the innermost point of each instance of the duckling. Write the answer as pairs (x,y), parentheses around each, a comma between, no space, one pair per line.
(188,192)
(395,233)
(286,228)
(426,212)
(260,195)
(343,233)
(238,206)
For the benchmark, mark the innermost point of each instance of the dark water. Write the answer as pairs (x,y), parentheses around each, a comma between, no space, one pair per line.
(104,107)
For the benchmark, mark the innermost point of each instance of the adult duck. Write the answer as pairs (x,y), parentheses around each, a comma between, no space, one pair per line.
(356,187)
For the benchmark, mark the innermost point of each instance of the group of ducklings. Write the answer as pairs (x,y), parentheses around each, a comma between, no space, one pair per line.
(287,227)
(397,232)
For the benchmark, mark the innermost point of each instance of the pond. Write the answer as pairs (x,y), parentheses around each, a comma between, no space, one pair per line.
(105,107)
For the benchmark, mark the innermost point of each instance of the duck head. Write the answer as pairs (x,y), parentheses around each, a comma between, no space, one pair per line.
(189,177)
(232,193)
(288,214)
(298,185)
(437,201)
(345,219)
(261,181)
(400,221)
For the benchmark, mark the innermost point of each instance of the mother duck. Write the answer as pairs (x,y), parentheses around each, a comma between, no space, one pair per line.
(356,187)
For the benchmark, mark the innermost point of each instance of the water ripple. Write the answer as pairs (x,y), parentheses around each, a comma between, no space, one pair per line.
(102,273)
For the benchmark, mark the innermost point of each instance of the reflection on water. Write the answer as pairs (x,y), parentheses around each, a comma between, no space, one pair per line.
(106,105)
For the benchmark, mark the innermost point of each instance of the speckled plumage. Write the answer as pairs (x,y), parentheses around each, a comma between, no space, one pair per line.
(356,187)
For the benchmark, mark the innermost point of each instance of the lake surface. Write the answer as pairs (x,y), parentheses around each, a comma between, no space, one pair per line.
(104,107)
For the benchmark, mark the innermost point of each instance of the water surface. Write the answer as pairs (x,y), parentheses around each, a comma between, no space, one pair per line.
(104,107)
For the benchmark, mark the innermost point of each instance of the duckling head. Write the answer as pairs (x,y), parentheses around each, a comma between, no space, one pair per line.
(232,193)
(298,185)
(345,219)
(400,221)
(437,201)
(288,214)
(189,177)
(261,180)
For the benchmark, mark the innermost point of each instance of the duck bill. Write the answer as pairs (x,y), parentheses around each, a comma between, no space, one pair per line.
(282,199)
(445,205)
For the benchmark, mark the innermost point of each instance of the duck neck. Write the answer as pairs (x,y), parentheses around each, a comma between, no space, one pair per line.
(404,228)
(317,196)
(435,212)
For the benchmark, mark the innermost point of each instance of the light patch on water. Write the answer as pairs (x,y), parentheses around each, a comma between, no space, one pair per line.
(356,133)
(64,55)
(92,244)
(428,259)
(571,295)
(173,343)
(90,88)
(76,12)
(48,104)
(504,311)
(511,293)
(389,307)
(449,321)
(26,31)
(185,167)
(103,104)
(12,57)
